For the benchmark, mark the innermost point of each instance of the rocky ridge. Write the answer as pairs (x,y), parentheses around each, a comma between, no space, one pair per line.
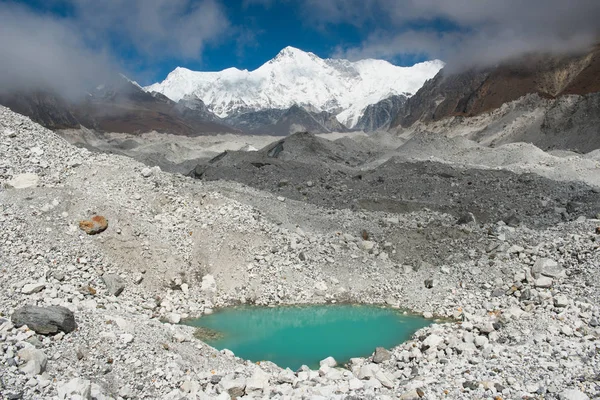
(523,303)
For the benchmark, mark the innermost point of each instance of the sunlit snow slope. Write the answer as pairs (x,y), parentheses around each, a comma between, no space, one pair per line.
(293,77)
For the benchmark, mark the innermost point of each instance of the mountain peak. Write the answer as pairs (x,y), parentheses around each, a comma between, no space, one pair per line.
(290,51)
(340,87)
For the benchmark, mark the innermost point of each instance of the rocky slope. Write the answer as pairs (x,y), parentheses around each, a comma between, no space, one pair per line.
(524,303)
(569,122)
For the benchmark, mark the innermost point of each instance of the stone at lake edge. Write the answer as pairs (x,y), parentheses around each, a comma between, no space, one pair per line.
(45,320)
(381,355)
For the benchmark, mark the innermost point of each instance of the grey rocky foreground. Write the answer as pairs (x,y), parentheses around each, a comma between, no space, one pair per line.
(524,302)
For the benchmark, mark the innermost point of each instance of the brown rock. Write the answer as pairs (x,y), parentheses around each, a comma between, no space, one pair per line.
(94,226)
(598,230)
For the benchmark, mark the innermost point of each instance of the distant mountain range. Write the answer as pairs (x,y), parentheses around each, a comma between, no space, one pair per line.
(298,91)
(298,78)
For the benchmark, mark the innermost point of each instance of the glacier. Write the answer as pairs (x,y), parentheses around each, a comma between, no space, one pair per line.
(295,77)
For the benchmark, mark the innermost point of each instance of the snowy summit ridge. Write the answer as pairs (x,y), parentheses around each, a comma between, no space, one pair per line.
(338,86)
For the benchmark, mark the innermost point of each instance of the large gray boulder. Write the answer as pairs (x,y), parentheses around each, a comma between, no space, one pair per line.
(45,320)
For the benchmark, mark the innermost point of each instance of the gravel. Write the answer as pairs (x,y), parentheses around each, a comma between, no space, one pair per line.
(183,248)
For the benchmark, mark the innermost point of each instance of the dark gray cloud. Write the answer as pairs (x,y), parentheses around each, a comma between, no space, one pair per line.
(488,30)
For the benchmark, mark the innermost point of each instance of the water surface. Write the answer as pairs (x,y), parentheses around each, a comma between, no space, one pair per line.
(293,336)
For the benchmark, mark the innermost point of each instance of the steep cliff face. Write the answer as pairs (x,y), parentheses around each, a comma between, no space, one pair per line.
(475,91)
(380,115)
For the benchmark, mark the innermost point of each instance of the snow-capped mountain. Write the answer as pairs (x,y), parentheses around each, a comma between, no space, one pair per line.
(337,86)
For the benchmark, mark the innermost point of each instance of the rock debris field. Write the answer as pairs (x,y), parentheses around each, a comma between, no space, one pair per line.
(508,262)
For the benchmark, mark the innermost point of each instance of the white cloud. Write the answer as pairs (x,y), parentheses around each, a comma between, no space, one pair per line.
(155,28)
(41,52)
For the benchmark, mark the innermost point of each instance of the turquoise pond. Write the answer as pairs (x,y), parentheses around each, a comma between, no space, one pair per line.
(293,336)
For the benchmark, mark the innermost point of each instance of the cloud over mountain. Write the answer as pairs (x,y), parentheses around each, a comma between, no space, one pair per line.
(462,31)
(91,40)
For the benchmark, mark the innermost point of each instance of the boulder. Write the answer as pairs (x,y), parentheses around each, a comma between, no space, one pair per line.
(146,172)
(94,225)
(114,284)
(414,394)
(381,355)
(573,394)
(78,388)
(258,381)
(45,320)
(209,285)
(234,387)
(23,181)
(546,267)
(355,384)
(543,282)
(329,361)
(31,288)
(467,218)
(560,300)
(433,341)
(35,361)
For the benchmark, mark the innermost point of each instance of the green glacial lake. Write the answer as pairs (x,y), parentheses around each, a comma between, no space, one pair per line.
(293,336)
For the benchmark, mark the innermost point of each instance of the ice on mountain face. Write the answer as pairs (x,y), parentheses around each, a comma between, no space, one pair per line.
(293,77)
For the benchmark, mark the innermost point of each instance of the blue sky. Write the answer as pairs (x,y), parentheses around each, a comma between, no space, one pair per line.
(256,32)
(65,40)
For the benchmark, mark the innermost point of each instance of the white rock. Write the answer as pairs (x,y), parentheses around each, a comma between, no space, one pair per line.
(146,172)
(573,394)
(433,341)
(127,337)
(329,361)
(31,288)
(35,361)
(384,379)
(481,341)
(561,300)
(173,318)
(23,181)
(546,267)
(321,286)
(286,376)
(75,387)
(258,381)
(543,282)
(355,384)
(367,371)
(208,284)
(367,245)
(231,385)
